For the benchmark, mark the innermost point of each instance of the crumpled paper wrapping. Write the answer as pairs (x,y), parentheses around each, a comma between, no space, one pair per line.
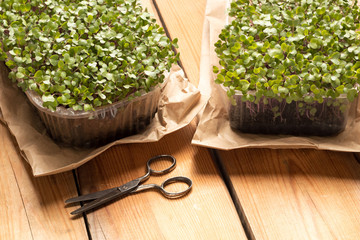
(179,104)
(214,129)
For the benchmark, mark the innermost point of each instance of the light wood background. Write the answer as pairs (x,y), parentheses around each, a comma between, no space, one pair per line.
(241,194)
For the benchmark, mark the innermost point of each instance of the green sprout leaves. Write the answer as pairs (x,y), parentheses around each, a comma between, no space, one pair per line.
(294,50)
(83,54)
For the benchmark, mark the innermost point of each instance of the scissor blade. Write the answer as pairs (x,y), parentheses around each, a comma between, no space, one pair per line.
(117,192)
(90,196)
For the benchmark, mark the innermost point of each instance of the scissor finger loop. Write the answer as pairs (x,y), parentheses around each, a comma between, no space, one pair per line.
(176,194)
(162,187)
(169,158)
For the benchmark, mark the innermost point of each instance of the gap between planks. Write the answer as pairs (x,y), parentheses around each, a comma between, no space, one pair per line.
(156,7)
(226,178)
(357,157)
(78,190)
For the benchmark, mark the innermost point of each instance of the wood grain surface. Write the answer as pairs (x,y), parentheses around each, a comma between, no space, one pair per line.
(296,194)
(33,208)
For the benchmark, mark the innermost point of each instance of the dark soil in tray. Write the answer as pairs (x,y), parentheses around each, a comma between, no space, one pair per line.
(289,119)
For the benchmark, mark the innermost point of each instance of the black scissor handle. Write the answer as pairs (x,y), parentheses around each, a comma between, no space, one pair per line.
(179,179)
(161,158)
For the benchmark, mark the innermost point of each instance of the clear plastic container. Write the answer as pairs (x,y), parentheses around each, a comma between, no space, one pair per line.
(296,118)
(103,125)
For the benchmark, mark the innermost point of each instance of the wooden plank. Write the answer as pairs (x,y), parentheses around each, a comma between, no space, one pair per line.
(206,213)
(296,194)
(14,223)
(33,208)
(184,20)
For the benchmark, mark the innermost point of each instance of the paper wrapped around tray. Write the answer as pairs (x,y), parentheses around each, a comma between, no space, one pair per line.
(180,102)
(214,129)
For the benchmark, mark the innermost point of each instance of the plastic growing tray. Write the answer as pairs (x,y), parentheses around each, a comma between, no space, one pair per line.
(103,125)
(295,118)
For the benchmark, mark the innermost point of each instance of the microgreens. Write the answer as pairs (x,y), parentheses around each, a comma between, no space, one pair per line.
(83,54)
(290,49)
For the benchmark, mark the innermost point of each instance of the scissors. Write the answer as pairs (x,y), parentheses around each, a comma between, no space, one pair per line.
(104,196)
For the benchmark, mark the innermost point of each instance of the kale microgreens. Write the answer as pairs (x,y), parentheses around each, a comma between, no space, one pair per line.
(290,49)
(83,54)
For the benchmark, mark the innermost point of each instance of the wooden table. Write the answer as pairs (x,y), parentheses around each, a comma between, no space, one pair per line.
(241,194)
